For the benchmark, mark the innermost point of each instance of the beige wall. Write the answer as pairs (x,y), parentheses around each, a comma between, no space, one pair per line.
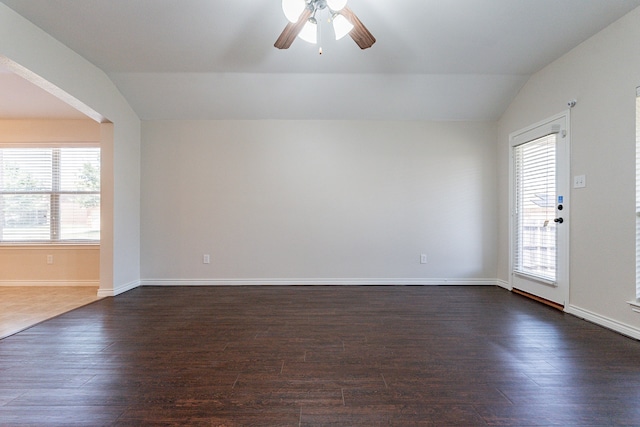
(602,74)
(26,265)
(25,131)
(318,202)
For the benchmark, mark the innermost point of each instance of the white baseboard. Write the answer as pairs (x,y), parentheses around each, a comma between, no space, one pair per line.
(325,282)
(604,321)
(503,284)
(47,283)
(119,289)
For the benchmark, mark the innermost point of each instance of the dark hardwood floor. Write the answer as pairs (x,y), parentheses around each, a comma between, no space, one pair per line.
(318,356)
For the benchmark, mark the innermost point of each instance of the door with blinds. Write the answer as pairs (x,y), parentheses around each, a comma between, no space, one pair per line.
(540,210)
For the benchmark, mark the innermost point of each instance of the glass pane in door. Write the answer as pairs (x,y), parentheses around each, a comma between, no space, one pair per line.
(535,196)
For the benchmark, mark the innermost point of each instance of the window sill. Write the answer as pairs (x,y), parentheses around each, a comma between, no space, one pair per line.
(48,246)
(635,306)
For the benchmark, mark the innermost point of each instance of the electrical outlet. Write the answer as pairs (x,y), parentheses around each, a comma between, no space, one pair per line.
(49,259)
(423,258)
(206,259)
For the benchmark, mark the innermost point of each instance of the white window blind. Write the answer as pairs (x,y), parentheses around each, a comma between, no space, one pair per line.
(638,194)
(49,194)
(535,195)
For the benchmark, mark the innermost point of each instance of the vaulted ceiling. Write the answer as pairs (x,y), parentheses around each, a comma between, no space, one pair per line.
(214,59)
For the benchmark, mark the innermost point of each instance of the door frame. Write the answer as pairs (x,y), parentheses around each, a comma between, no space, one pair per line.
(563,179)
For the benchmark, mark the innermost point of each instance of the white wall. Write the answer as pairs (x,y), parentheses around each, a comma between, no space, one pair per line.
(602,74)
(318,201)
(28,46)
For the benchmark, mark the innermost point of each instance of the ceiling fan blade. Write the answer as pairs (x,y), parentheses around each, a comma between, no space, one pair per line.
(291,31)
(359,33)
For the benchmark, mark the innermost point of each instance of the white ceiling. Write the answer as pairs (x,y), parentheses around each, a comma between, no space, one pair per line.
(22,99)
(214,59)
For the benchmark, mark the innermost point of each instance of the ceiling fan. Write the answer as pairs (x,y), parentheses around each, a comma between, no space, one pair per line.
(302,22)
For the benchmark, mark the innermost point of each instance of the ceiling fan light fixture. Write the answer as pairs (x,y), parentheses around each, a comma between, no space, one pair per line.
(341,26)
(336,5)
(309,32)
(292,9)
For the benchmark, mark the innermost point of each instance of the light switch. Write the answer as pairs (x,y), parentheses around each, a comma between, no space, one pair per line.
(579,181)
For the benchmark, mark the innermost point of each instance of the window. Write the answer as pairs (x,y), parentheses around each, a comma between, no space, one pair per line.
(535,197)
(49,194)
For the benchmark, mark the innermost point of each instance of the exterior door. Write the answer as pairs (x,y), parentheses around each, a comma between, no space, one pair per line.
(540,209)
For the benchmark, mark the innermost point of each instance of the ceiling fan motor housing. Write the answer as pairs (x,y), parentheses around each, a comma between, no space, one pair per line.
(334,5)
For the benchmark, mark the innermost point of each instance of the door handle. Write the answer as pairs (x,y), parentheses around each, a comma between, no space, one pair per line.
(559,220)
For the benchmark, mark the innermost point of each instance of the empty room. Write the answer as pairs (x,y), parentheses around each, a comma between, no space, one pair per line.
(319,213)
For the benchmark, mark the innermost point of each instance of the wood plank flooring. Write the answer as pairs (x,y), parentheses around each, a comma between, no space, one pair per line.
(22,307)
(318,356)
